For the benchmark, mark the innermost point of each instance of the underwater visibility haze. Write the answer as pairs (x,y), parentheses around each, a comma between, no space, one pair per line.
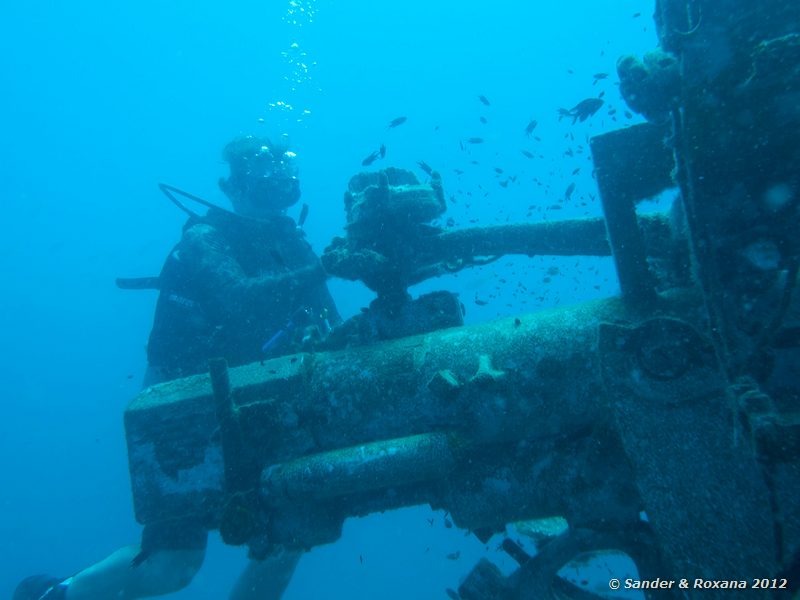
(101,102)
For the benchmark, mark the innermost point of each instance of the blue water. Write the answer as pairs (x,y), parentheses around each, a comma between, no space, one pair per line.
(101,101)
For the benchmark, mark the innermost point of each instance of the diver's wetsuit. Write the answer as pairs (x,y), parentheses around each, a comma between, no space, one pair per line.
(228,287)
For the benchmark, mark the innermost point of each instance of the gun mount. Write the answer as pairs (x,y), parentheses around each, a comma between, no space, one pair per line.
(390,246)
(679,399)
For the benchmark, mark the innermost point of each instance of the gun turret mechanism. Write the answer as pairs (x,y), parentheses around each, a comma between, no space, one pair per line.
(678,400)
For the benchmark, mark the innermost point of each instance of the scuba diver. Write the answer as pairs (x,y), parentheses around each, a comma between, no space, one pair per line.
(245,285)
(242,285)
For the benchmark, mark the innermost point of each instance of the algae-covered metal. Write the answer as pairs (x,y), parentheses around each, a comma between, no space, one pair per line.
(498,422)
(678,400)
(498,382)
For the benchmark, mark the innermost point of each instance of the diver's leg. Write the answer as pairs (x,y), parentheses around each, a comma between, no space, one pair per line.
(266,579)
(163,572)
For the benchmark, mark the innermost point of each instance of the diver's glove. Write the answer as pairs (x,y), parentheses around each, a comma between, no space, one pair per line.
(42,587)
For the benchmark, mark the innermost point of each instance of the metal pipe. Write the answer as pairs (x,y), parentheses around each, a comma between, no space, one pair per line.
(367,467)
